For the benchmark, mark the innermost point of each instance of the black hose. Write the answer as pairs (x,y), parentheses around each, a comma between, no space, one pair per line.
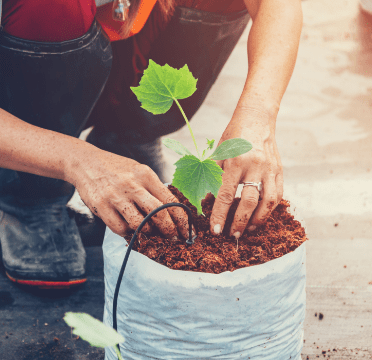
(189,241)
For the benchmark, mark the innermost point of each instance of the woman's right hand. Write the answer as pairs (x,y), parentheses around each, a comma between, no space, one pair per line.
(120,191)
(117,189)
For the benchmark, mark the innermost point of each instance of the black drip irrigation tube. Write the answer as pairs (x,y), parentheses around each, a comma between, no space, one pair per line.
(189,241)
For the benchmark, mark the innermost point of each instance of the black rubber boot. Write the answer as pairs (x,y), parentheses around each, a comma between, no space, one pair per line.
(41,245)
(40,242)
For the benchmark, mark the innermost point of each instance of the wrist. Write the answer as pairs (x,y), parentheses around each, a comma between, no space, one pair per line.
(255,116)
(259,108)
(255,97)
(77,160)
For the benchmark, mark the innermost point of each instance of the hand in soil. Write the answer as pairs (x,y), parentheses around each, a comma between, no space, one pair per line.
(262,163)
(211,253)
(121,192)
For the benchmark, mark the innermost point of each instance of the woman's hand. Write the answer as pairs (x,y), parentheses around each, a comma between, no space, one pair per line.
(261,164)
(272,50)
(121,192)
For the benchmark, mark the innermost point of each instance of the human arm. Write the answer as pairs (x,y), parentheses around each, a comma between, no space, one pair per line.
(272,50)
(110,185)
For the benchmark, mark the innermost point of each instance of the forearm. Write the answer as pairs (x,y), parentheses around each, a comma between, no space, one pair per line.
(272,50)
(24,147)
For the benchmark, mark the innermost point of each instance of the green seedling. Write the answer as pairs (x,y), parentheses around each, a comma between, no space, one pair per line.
(94,331)
(195,176)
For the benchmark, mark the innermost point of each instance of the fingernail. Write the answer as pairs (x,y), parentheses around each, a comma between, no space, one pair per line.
(252,228)
(237,235)
(217,229)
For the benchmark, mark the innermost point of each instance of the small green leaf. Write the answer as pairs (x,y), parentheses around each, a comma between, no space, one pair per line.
(160,85)
(92,330)
(176,146)
(231,148)
(210,144)
(196,178)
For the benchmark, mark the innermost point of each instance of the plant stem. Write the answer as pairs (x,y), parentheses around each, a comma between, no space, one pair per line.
(116,347)
(188,125)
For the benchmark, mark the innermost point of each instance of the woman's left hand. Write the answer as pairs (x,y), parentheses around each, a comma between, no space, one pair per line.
(272,50)
(261,164)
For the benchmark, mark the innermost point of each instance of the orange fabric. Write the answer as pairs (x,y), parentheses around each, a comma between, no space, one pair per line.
(113,27)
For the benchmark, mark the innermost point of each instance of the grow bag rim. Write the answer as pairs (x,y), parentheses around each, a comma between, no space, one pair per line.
(226,278)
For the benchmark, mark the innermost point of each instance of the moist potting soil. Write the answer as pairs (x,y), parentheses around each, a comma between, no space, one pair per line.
(211,253)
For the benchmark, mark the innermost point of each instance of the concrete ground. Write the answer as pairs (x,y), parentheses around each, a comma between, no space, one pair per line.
(324,134)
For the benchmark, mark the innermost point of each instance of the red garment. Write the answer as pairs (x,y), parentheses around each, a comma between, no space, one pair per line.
(48,20)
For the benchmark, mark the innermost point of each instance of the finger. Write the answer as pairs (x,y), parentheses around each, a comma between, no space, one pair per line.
(133,216)
(113,220)
(225,197)
(162,219)
(247,205)
(179,216)
(279,186)
(268,203)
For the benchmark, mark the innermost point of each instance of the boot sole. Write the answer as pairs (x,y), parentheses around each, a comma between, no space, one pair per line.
(48,284)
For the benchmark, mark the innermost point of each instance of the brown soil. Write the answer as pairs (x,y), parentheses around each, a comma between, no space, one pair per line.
(280,235)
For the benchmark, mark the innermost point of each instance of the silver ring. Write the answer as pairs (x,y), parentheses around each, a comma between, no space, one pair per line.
(257,185)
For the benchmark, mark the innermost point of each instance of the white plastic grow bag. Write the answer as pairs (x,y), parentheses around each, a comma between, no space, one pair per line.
(250,313)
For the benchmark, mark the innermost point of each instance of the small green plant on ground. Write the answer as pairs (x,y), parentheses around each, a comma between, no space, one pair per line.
(94,331)
(195,176)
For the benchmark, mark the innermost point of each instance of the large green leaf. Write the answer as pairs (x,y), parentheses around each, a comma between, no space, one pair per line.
(231,148)
(160,85)
(176,146)
(92,330)
(196,178)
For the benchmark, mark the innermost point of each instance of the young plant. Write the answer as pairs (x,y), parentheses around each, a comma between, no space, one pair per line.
(195,176)
(94,331)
